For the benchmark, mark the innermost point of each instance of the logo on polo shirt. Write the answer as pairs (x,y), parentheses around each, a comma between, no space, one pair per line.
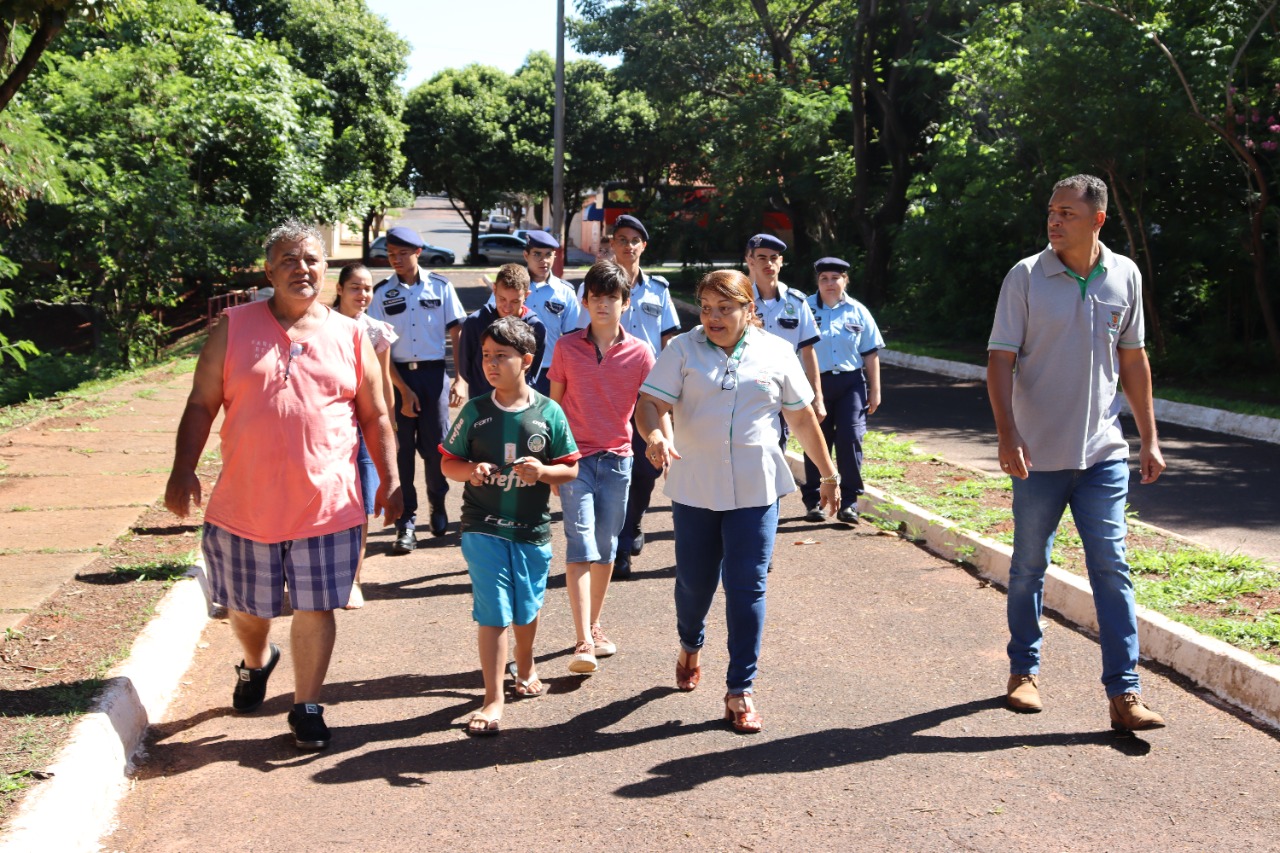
(1114,325)
(537,443)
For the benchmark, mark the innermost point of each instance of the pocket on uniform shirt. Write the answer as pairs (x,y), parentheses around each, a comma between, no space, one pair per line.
(789,322)
(1108,319)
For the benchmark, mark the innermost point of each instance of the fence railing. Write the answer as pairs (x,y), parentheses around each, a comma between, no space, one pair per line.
(220,303)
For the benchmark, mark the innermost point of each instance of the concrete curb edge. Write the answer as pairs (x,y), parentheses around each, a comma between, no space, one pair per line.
(1167,411)
(74,809)
(1230,674)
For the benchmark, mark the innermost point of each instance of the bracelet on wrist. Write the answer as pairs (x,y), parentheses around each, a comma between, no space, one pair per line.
(833,480)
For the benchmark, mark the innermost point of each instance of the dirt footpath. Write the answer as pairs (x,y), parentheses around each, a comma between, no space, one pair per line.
(880,687)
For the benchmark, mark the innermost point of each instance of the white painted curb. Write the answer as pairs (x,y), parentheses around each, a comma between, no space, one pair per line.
(73,810)
(1231,674)
(1183,414)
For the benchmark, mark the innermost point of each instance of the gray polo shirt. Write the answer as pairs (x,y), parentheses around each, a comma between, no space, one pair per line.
(1066,335)
(728,437)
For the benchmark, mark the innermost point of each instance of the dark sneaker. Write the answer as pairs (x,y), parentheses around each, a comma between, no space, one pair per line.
(306,721)
(849,515)
(251,684)
(637,544)
(405,541)
(813,513)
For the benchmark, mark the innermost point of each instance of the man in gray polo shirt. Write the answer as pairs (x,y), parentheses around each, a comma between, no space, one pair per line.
(1070,320)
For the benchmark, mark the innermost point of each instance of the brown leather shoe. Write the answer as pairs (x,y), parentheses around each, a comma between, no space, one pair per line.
(1022,694)
(1129,712)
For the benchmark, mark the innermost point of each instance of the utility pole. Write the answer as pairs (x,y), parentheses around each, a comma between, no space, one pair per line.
(557,178)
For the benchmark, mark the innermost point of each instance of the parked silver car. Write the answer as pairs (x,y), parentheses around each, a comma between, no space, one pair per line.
(494,249)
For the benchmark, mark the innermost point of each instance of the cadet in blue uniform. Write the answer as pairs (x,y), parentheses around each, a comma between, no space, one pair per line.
(425,313)
(783,311)
(850,365)
(652,318)
(556,304)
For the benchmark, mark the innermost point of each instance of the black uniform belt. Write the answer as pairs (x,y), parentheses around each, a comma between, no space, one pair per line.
(414,365)
(839,371)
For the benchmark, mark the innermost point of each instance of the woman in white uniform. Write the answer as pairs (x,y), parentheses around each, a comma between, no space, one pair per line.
(726,382)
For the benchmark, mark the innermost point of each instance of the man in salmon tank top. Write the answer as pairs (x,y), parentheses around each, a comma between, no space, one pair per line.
(293,379)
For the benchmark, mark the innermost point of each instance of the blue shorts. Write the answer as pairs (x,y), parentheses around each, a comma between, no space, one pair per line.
(368,477)
(594,506)
(250,576)
(508,579)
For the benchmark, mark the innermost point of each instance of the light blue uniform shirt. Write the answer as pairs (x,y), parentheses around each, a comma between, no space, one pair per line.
(421,315)
(788,316)
(559,309)
(652,312)
(848,332)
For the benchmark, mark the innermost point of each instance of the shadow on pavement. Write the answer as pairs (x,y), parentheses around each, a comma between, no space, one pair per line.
(842,747)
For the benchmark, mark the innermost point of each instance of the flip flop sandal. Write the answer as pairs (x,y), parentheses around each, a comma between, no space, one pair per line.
(525,689)
(490,727)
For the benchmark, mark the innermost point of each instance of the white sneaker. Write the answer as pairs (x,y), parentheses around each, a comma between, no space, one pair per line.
(584,660)
(604,647)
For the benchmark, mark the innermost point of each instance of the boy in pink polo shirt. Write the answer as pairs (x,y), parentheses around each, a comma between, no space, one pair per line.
(595,376)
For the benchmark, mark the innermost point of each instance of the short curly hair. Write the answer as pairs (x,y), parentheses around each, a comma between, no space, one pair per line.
(511,332)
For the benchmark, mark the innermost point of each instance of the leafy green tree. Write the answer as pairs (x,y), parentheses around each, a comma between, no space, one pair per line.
(462,141)
(184,140)
(1240,42)
(37,23)
(802,107)
(359,60)
(605,125)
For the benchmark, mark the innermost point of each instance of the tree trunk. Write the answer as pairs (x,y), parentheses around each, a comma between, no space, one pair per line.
(51,23)
(367,224)
(1149,307)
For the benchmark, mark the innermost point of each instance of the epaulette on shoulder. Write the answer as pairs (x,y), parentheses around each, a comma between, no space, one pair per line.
(381,283)
(659,280)
(796,294)
(439,278)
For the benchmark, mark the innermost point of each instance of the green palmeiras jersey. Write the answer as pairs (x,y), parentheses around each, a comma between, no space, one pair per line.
(504,506)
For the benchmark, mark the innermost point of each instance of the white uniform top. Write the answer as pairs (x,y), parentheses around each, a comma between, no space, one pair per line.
(788,316)
(559,309)
(421,315)
(728,439)
(848,331)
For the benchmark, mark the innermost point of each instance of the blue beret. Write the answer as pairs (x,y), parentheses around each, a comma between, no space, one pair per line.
(830,265)
(402,236)
(626,220)
(541,240)
(766,241)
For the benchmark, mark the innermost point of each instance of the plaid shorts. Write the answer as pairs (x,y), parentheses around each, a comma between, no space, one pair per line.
(250,576)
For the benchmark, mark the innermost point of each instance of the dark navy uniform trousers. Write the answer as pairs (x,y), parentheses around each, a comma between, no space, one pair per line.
(845,396)
(421,435)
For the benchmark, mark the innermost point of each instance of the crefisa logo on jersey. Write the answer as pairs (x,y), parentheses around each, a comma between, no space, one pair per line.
(537,443)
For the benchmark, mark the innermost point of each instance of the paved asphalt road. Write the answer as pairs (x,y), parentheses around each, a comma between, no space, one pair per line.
(1218,489)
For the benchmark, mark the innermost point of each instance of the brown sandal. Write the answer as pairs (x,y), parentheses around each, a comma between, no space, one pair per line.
(687,677)
(748,722)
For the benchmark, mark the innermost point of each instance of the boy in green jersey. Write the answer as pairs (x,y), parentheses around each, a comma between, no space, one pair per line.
(509,446)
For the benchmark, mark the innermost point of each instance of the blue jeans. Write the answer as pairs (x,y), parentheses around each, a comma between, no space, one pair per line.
(735,545)
(594,506)
(1096,496)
